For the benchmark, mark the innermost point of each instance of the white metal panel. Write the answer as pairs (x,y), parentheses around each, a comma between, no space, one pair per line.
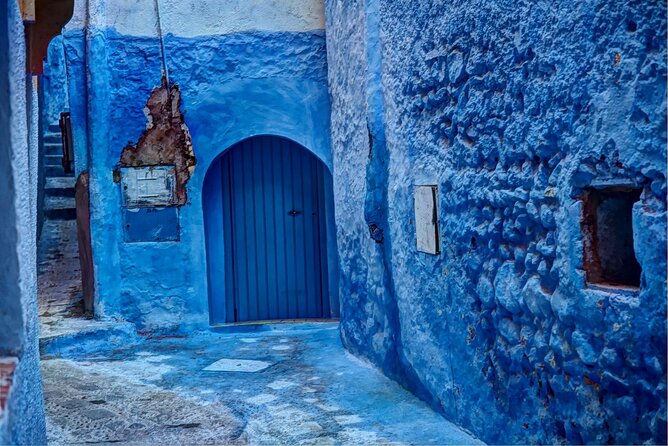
(148,186)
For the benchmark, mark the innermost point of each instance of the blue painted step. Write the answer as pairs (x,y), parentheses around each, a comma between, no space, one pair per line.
(59,187)
(60,208)
(52,138)
(53,160)
(56,171)
(53,149)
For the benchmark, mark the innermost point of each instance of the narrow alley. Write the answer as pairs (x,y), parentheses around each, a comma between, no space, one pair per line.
(345,222)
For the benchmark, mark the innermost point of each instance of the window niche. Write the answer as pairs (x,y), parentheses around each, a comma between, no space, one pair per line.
(607,226)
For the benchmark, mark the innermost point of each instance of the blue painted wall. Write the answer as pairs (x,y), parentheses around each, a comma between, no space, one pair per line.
(233,86)
(22,421)
(54,83)
(74,50)
(512,110)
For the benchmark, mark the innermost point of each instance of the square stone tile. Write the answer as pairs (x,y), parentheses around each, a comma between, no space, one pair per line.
(237,365)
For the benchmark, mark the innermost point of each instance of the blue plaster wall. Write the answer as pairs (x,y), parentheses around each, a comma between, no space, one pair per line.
(74,50)
(511,109)
(232,86)
(54,83)
(23,419)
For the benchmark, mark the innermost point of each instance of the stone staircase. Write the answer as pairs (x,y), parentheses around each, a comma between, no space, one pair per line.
(59,201)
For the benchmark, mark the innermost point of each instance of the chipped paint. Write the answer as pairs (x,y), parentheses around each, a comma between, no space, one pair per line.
(166,140)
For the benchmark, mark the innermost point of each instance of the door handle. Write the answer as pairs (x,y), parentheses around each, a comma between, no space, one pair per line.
(294,212)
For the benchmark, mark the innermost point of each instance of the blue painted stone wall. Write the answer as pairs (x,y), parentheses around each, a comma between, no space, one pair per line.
(22,421)
(512,110)
(233,86)
(54,83)
(74,50)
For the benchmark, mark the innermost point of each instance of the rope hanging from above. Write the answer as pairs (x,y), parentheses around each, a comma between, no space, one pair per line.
(165,72)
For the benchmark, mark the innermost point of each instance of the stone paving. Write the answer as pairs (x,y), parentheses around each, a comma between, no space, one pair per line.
(105,383)
(58,275)
(262,384)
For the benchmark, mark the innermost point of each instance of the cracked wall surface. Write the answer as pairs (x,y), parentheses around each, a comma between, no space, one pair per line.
(166,140)
(513,111)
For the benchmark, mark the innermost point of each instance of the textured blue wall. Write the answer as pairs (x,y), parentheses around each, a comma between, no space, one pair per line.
(74,49)
(232,87)
(54,83)
(511,109)
(23,419)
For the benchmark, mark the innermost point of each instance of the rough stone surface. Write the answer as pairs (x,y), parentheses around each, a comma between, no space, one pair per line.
(166,140)
(160,391)
(22,421)
(54,84)
(513,110)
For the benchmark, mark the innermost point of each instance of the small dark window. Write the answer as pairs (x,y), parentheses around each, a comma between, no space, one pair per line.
(607,226)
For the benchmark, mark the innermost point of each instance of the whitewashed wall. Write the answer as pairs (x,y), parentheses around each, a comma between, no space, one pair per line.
(192,18)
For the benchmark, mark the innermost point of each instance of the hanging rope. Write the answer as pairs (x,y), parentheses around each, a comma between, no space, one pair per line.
(165,72)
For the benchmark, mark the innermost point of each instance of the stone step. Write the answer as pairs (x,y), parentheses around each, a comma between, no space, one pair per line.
(53,149)
(53,160)
(54,128)
(60,183)
(56,171)
(52,138)
(60,208)
(59,187)
(60,214)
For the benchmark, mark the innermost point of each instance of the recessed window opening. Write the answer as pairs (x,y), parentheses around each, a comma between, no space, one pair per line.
(607,227)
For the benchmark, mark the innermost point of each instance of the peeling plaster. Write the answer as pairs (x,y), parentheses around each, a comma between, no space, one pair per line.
(166,140)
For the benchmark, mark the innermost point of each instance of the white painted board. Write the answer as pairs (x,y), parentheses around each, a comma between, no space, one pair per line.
(426,219)
(148,186)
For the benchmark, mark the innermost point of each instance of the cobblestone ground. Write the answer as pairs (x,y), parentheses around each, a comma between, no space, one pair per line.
(58,274)
(279,384)
(106,383)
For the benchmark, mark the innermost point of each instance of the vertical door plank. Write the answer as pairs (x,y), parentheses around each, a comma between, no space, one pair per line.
(271,228)
(287,161)
(316,223)
(310,304)
(239,236)
(251,222)
(260,211)
(228,237)
(280,215)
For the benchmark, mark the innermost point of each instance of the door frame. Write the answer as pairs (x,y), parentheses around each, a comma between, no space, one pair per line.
(212,207)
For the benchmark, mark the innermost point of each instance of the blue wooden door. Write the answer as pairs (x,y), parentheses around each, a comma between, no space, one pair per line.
(274,232)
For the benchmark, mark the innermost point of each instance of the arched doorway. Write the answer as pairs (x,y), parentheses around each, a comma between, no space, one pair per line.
(265,210)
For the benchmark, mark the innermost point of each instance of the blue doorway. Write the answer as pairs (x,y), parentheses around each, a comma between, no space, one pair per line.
(265,211)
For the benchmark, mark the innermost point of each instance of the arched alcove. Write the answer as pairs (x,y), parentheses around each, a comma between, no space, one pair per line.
(267,204)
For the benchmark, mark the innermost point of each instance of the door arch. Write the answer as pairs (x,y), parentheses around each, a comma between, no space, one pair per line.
(265,203)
